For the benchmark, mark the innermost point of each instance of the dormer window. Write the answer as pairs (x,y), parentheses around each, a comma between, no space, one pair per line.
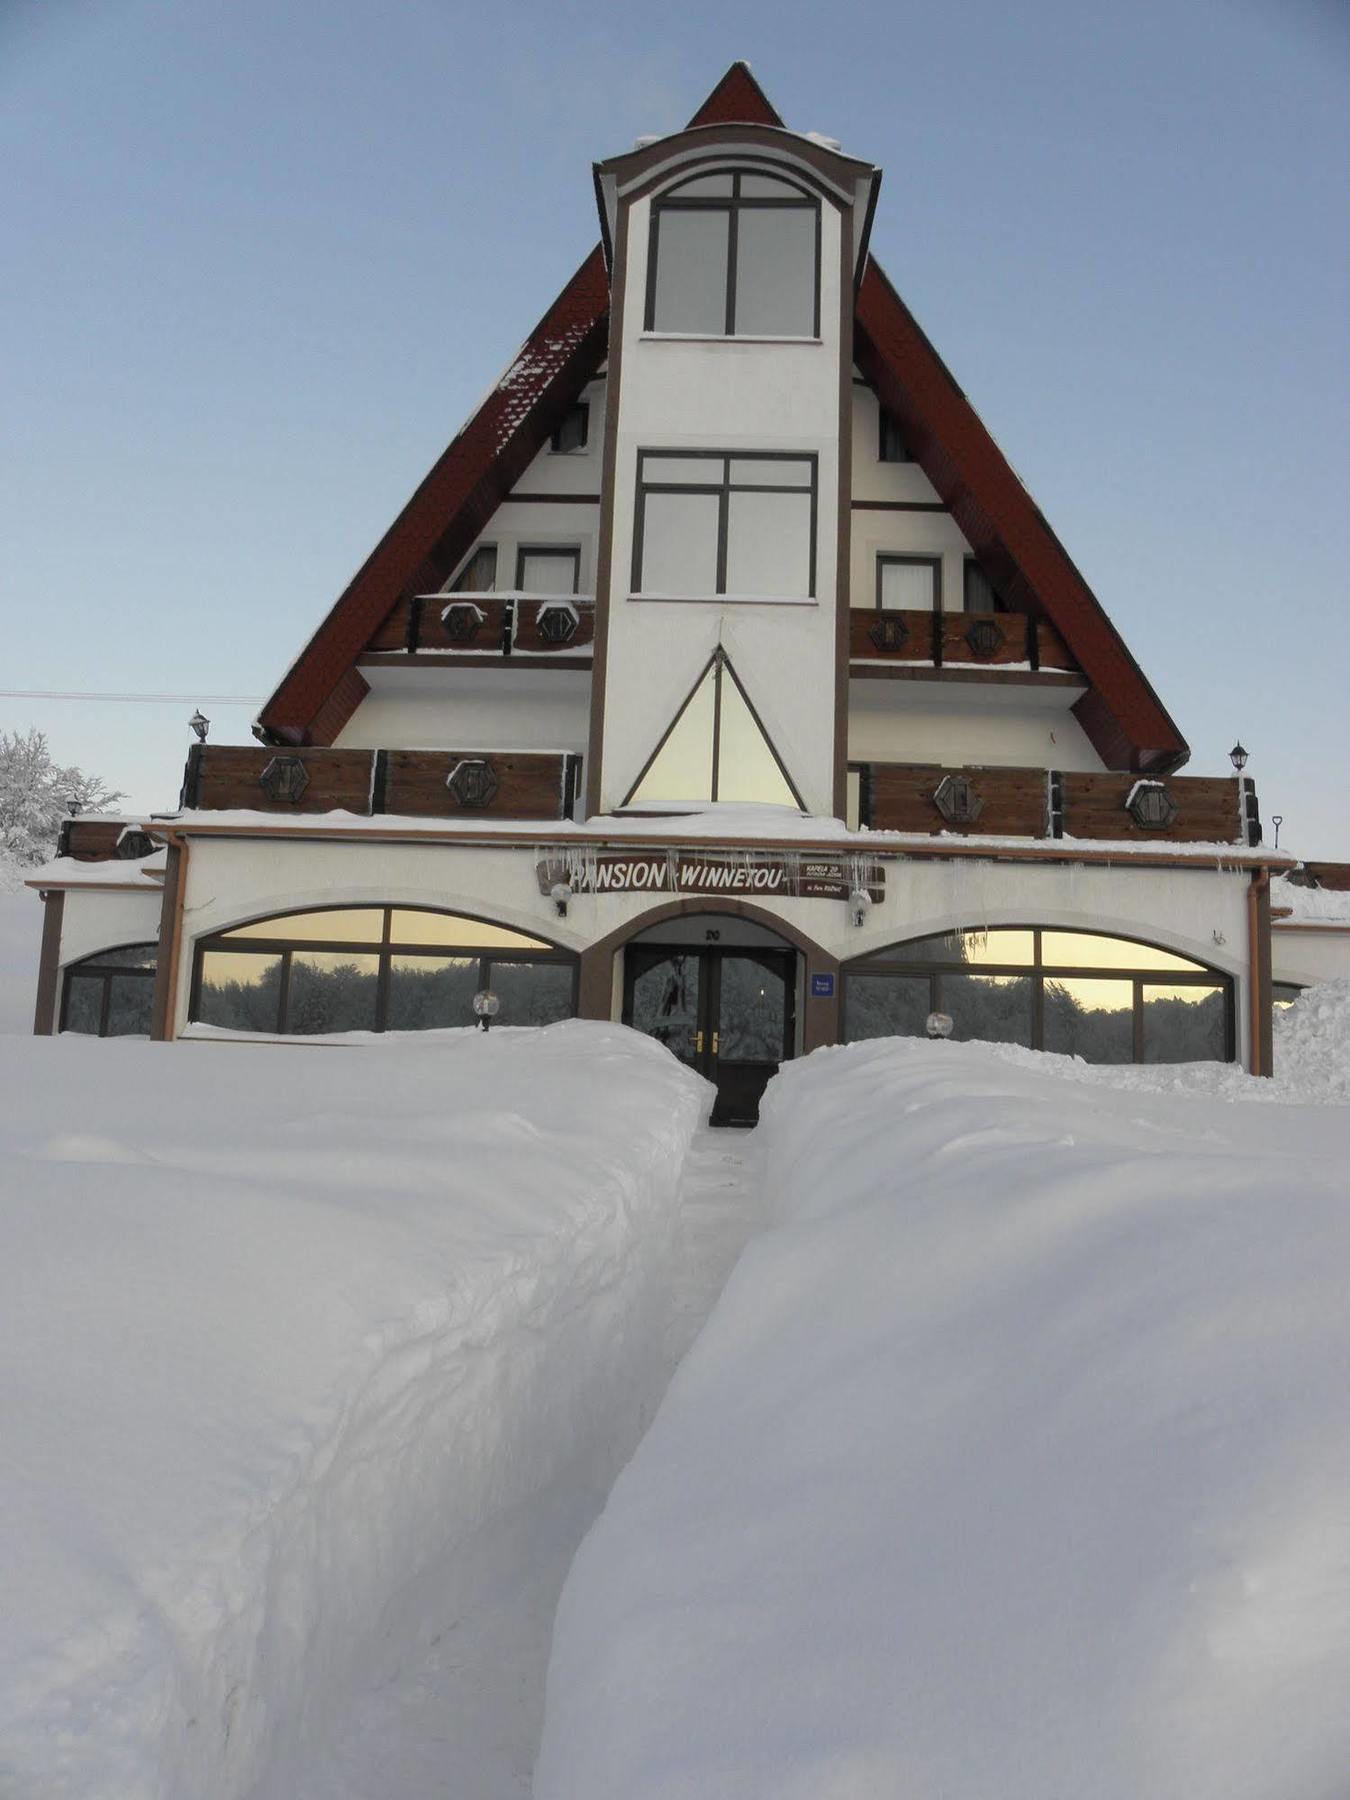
(735,254)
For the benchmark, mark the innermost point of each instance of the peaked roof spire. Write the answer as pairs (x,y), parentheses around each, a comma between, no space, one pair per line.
(738,99)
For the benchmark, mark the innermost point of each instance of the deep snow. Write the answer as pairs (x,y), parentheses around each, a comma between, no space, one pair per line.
(1012,1462)
(293,1340)
(20,941)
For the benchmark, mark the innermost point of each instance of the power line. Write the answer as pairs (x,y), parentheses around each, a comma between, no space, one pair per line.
(133,699)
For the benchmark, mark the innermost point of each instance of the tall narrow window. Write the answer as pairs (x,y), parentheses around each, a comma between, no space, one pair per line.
(909,583)
(893,448)
(479,574)
(548,569)
(573,430)
(980,594)
(716,749)
(735,255)
(708,524)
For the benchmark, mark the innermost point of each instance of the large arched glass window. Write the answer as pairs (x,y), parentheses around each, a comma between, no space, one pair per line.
(376,968)
(111,994)
(1106,999)
(735,254)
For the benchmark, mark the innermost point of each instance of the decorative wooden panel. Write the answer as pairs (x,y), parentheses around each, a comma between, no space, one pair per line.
(1208,809)
(229,776)
(918,641)
(1330,875)
(528,785)
(91,840)
(527,626)
(432,634)
(1013,801)
(1023,639)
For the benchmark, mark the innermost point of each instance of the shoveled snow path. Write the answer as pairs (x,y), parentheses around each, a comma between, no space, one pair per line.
(465,1720)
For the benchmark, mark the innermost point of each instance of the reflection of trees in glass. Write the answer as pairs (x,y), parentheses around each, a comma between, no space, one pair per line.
(753,1011)
(1184,1030)
(239,1005)
(84,1003)
(886,1006)
(331,996)
(532,993)
(989,1008)
(665,1001)
(112,992)
(129,1006)
(426,993)
(1098,1034)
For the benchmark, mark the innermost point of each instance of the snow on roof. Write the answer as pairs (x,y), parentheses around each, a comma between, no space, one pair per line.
(1309,906)
(113,872)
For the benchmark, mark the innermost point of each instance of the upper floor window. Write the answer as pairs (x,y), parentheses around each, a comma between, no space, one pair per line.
(548,569)
(735,255)
(710,523)
(980,594)
(573,430)
(893,447)
(479,574)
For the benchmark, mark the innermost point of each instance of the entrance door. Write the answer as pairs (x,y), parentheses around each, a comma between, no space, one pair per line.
(727,1013)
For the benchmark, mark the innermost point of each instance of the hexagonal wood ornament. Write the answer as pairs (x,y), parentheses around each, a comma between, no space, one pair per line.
(890,632)
(462,621)
(986,637)
(473,782)
(557,624)
(956,799)
(284,778)
(1151,806)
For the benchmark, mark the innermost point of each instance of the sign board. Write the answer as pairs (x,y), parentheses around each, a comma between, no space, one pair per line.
(750,873)
(822,987)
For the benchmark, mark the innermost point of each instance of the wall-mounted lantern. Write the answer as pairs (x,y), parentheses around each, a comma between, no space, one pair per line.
(859,905)
(1238,756)
(560,893)
(200,724)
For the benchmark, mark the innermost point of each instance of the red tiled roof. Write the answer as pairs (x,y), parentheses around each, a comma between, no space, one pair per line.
(1121,714)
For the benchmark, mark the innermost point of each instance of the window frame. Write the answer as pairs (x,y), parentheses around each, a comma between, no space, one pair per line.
(386,950)
(89,968)
(724,492)
(454,585)
(1038,972)
(969,563)
(911,559)
(570,550)
(886,417)
(733,205)
(555,448)
(720,663)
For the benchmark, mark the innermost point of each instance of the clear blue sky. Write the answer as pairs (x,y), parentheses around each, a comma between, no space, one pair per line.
(261,256)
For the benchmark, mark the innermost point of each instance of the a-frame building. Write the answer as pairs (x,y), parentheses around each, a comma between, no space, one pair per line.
(721,677)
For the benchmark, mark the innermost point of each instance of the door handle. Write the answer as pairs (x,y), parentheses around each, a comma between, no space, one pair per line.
(698,1043)
(715,1043)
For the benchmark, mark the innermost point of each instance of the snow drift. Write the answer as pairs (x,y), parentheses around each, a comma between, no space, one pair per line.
(286,1332)
(1011,1463)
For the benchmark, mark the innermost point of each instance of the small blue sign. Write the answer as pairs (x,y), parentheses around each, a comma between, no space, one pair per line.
(822,987)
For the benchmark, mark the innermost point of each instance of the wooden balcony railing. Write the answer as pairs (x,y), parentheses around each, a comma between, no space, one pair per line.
(1049,803)
(1011,642)
(489,626)
(434,784)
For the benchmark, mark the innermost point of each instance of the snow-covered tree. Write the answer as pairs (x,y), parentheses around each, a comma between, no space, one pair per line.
(36,794)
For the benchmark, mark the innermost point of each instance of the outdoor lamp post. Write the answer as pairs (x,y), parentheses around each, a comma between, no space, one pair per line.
(487,1005)
(200,724)
(939,1025)
(72,804)
(1238,756)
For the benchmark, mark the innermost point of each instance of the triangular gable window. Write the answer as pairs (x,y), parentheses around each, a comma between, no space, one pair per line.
(716,749)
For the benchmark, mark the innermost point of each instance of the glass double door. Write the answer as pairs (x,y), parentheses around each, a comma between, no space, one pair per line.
(726,1013)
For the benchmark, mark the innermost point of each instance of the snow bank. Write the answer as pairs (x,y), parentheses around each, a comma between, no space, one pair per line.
(1012,1462)
(20,941)
(286,1335)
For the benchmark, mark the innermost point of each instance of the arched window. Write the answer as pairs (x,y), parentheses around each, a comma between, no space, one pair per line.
(735,254)
(111,994)
(375,968)
(1106,999)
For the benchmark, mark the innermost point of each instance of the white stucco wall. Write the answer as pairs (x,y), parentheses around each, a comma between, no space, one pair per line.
(472,709)
(1016,727)
(872,478)
(725,394)
(104,919)
(1309,956)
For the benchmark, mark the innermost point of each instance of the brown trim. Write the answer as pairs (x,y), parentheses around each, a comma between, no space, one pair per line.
(644,165)
(736,99)
(1289,924)
(820,1017)
(843,531)
(902,506)
(604,559)
(49,962)
(471,659)
(170,944)
(1262,1016)
(863,670)
(552,499)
